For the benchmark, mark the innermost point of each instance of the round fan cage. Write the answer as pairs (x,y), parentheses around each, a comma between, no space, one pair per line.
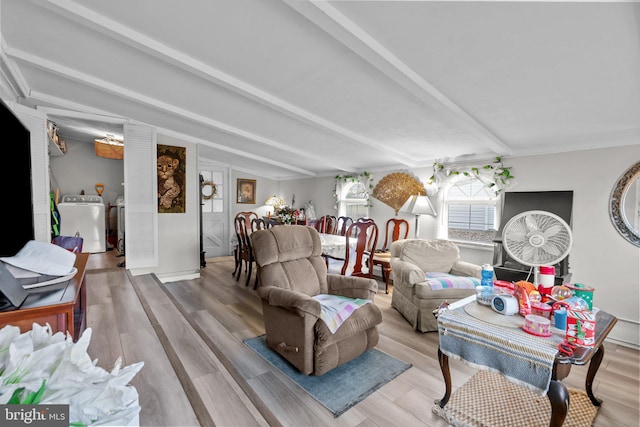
(536,238)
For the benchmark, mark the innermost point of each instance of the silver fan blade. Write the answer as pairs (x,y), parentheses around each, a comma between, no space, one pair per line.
(552,231)
(531,222)
(552,249)
(518,236)
(528,253)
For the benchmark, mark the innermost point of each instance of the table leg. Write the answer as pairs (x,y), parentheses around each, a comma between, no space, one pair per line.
(559,398)
(446,373)
(596,359)
(386,275)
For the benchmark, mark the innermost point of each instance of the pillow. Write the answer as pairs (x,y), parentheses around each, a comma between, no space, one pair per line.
(439,281)
(431,255)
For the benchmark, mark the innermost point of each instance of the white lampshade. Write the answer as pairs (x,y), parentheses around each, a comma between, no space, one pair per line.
(418,205)
(275,201)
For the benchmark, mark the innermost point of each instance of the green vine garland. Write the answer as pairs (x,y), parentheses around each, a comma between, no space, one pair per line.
(501,178)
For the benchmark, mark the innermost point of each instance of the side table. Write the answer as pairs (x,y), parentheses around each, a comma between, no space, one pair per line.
(63,309)
(561,365)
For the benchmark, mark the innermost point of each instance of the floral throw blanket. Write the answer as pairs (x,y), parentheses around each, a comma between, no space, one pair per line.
(439,281)
(336,309)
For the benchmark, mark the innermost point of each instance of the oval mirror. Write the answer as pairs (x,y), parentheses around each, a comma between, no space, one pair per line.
(624,205)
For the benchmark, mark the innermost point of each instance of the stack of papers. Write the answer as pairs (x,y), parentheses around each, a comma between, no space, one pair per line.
(41,264)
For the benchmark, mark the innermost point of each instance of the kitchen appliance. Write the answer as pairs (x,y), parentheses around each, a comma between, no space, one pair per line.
(85,215)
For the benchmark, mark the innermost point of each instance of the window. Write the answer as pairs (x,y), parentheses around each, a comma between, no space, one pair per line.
(215,203)
(471,212)
(354,200)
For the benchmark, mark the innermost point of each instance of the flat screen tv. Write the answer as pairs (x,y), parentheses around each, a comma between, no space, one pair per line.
(17,204)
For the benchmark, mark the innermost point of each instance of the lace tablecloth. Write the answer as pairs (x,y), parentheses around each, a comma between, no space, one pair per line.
(334,245)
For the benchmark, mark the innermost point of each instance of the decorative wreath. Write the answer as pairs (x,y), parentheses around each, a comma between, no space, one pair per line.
(208,195)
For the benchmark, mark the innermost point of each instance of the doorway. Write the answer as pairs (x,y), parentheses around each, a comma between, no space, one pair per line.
(215,210)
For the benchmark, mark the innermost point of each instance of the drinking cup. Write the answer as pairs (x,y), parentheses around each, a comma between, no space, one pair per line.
(560,318)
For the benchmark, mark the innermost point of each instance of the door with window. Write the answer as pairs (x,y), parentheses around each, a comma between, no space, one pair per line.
(215,202)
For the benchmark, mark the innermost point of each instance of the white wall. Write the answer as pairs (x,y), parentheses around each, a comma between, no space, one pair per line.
(179,233)
(80,169)
(600,257)
(264,188)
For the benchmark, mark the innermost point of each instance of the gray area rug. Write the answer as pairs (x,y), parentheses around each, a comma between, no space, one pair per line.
(342,387)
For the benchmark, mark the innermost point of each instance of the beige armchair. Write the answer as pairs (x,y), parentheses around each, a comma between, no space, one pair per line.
(415,296)
(291,271)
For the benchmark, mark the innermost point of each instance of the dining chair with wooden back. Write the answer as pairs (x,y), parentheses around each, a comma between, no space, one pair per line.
(244,251)
(396,228)
(342,223)
(248,217)
(259,224)
(359,260)
(326,224)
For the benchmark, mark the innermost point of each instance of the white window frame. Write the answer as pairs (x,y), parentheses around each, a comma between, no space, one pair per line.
(343,201)
(445,202)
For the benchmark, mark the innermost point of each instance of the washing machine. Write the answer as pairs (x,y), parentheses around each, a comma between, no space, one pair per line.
(85,215)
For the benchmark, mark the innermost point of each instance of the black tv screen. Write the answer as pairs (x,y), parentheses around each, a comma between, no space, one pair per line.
(17,209)
(556,202)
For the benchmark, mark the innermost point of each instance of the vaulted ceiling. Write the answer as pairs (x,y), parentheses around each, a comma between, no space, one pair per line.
(296,88)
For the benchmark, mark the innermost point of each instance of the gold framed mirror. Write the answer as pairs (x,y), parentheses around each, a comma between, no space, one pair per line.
(624,205)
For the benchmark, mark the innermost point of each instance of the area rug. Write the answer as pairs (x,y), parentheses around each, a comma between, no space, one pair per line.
(490,400)
(342,387)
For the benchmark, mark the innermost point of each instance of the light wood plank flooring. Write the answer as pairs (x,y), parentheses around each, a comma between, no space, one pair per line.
(198,372)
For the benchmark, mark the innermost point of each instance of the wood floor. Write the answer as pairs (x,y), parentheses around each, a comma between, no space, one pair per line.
(198,372)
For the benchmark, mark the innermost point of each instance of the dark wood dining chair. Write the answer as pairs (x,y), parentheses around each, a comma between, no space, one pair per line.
(359,260)
(244,249)
(342,224)
(248,217)
(326,224)
(364,218)
(259,224)
(396,228)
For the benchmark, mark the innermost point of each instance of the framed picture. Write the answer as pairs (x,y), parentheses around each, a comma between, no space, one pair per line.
(172,169)
(246,191)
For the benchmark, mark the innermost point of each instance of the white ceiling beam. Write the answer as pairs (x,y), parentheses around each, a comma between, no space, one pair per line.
(237,152)
(87,80)
(83,115)
(347,32)
(97,113)
(130,37)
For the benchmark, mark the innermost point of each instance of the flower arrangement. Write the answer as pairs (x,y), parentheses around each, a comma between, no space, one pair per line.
(287,215)
(38,367)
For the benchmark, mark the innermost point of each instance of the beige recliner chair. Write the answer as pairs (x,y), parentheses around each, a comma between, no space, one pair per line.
(291,271)
(415,296)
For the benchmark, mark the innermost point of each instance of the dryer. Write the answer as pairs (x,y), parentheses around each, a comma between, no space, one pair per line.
(85,215)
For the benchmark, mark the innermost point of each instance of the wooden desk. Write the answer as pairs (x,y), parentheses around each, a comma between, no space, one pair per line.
(64,309)
(476,332)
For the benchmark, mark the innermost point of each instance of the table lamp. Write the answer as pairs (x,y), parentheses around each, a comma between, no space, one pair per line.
(274,203)
(418,205)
